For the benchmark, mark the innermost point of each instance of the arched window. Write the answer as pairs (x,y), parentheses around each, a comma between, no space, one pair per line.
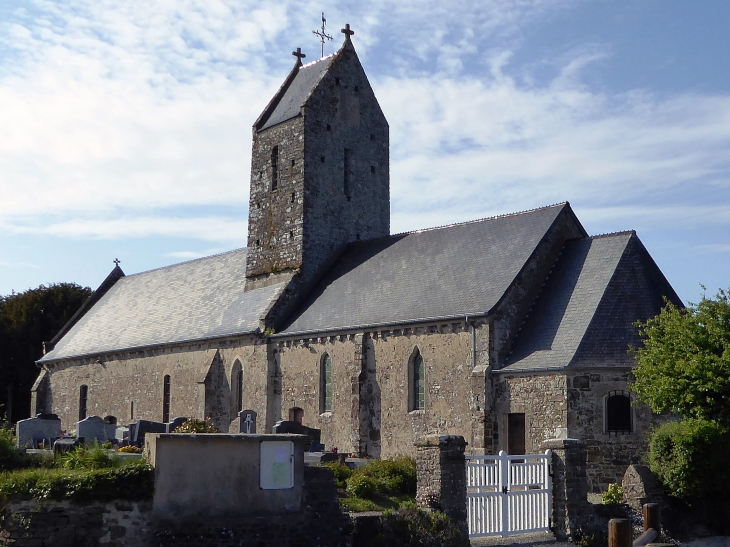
(417,382)
(325,384)
(618,413)
(83,400)
(239,390)
(166,399)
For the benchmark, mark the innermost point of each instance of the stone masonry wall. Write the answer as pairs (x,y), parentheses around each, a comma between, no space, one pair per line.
(371,413)
(541,397)
(300,363)
(447,356)
(275,216)
(126,524)
(608,456)
(119,380)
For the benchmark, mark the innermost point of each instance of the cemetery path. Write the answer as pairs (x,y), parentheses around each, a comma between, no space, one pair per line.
(540,539)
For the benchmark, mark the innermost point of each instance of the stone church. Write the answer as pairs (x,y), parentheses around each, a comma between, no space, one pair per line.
(507,330)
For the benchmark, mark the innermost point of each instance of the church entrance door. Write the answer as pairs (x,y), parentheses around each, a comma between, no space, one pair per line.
(516,434)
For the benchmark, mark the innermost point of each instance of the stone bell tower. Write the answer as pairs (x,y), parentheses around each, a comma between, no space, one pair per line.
(319,171)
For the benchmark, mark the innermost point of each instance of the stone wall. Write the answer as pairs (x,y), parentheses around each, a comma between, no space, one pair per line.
(122,524)
(441,468)
(275,217)
(118,382)
(542,397)
(64,524)
(608,455)
(371,413)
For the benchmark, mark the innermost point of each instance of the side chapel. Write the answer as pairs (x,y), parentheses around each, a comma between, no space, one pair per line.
(507,330)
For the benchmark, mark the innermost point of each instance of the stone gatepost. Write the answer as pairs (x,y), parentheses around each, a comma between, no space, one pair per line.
(441,468)
(570,486)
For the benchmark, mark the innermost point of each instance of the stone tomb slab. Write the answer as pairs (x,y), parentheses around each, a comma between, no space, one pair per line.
(247,421)
(95,428)
(34,430)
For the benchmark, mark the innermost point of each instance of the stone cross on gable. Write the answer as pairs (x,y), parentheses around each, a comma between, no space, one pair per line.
(347,32)
(299,55)
(117,261)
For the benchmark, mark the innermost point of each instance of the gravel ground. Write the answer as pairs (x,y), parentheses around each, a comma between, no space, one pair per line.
(539,539)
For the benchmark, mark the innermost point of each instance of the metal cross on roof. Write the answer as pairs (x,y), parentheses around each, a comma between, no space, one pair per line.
(117,261)
(298,54)
(347,32)
(322,34)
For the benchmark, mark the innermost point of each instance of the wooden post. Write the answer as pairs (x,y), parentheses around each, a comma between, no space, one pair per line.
(652,517)
(619,533)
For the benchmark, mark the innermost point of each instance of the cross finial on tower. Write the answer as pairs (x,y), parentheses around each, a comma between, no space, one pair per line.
(299,55)
(117,261)
(347,32)
(322,34)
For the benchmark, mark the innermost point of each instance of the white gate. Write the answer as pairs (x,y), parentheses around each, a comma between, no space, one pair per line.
(508,495)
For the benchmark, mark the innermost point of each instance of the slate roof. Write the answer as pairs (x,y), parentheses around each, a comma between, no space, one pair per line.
(293,94)
(585,314)
(444,272)
(193,300)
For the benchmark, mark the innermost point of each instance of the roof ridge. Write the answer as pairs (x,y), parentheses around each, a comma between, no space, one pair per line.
(317,61)
(185,262)
(495,217)
(614,234)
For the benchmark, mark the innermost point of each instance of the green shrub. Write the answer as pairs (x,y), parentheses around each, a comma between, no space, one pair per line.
(689,458)
(194,425)
(361,486)
(411,527)
(390,477)
(10,457)
(614,494)
(92,456)
(129,482)
(342,473)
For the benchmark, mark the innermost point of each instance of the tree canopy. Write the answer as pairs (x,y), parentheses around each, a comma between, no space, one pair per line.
(28,319)
(684,364)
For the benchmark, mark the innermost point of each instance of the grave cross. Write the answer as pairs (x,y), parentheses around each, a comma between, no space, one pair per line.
(249,422)
(347,32)
(117,261)
(299,55)
(322,34)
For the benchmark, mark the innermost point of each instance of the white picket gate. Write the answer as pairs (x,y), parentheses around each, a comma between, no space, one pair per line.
(508,495)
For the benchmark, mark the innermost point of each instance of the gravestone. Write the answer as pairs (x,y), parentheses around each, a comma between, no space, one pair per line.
(140,428)
(34,430)
(94,428)
(67,444)
(286,426)
(247,421)
(175,423)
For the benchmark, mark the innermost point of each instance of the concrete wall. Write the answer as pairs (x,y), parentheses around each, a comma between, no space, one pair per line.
(137,377)
(213,475)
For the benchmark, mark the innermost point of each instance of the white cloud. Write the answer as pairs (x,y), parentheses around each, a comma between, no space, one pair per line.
(117,114)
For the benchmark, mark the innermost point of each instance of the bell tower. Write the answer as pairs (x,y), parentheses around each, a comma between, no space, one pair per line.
(319,171)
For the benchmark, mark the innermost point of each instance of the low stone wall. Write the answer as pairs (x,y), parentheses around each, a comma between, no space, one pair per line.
(65,524)
(124,524)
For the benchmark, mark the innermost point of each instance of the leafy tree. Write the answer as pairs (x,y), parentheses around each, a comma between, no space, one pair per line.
(684,365)
(28,319)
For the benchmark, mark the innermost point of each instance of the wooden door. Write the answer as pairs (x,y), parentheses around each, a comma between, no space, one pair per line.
(515,434)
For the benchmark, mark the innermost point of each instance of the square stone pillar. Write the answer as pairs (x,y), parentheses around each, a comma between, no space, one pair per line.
(570,486)
(441,468)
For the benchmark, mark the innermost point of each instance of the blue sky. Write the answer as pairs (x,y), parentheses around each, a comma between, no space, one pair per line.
(127,124)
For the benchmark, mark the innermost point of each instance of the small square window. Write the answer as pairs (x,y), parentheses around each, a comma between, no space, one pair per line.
(372,137)
(355,89)
(372,169)
(329,127)
(321,158)
(337,81)
(291,234)
(292,163)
